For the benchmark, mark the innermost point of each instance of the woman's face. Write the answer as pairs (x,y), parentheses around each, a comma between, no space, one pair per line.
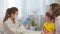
(51,11)
(15,15)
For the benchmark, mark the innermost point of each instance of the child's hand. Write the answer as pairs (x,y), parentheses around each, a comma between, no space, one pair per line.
(43,32)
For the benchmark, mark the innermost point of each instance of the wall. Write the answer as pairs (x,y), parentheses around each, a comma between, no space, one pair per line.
(1,10)
(57,1)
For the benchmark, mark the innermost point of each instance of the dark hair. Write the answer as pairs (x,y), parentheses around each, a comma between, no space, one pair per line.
(48,15)
(54,5)
(9,11)
(57,12)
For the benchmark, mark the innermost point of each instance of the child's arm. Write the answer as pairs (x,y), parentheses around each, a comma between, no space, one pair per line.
(51,32)
(43,31)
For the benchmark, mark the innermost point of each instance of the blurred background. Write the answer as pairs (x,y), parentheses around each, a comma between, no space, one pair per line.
(32,9)
(26,7)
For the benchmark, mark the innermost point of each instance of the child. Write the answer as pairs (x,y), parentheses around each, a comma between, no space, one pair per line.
(49,26)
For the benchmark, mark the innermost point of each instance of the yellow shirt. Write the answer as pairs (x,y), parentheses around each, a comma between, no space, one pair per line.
(50,27)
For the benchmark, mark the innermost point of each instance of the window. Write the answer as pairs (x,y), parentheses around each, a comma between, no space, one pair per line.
(14,3)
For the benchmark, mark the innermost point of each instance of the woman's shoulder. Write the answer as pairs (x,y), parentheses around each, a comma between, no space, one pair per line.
(58,18)
(7,21)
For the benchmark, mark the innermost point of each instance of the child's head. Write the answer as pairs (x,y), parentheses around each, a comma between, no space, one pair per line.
(11,12)
(47,16)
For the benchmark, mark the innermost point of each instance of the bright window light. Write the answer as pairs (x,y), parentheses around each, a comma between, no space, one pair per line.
(11,3)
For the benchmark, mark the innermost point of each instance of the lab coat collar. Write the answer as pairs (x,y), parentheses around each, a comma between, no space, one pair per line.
(10,21)
(58,17)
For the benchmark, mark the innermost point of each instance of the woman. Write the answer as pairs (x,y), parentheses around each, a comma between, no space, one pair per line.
(49,26)
(51,10)
(52,7)
(57,20)
(10,22)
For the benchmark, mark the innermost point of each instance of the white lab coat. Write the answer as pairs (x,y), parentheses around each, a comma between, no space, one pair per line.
(11,28)
(57,23)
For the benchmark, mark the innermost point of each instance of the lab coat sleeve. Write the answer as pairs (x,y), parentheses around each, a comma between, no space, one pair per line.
(16,28)
(17,24)
(21,29)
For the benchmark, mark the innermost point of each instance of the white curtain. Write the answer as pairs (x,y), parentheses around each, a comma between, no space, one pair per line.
(38,6)
(1,10)
(26,7)
(14,3)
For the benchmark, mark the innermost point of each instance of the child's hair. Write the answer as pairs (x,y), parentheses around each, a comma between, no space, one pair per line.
(10,11)
(48,15)
(57,12)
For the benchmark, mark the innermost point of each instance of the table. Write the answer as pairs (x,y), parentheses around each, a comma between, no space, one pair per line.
(32,32)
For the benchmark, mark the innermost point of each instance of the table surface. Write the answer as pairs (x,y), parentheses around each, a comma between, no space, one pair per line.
(32,32)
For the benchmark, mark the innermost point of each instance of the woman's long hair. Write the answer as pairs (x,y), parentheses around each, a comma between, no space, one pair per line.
(10,11)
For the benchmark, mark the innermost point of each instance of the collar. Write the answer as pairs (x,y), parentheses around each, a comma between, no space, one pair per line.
(58,17)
